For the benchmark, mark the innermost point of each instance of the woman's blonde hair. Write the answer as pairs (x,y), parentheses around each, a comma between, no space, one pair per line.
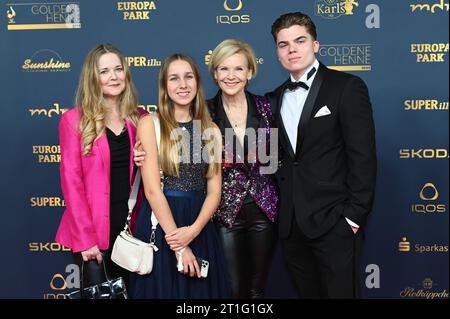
(89,98)
(169,148)
(229,47)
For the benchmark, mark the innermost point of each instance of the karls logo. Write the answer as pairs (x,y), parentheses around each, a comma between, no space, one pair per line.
(425,105)
(60,282)
(136,10)
(441,6)
(332,9)
(36,16)
(142,61)
(47,153)
(208,58)
(55,110)
(424,153)
(347,57)
(45,60)
(424,290)
(429,52)
(233,14)
(428,196)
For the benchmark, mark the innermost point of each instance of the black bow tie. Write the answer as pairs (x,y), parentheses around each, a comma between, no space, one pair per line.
(292,86)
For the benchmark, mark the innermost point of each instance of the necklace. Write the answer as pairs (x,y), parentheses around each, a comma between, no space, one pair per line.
(237,117)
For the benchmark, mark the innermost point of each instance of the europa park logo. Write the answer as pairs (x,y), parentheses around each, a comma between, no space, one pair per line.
(136,10)
(332,9)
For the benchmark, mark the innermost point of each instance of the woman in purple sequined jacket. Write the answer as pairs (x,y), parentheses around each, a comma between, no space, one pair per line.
(249,206)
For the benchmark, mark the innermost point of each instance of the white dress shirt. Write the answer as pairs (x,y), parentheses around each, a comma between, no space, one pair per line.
(292,105)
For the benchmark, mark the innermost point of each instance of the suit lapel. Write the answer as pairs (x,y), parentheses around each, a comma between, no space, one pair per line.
(308,107)
(218,113)
(219,117)
(284,140)
(254,119)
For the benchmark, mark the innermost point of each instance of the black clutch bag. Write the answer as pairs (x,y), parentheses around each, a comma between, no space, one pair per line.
(108,289)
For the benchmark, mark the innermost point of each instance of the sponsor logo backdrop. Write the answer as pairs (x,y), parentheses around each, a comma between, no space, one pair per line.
(400,48)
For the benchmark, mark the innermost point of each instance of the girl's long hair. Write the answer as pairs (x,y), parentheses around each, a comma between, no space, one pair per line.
(169,148)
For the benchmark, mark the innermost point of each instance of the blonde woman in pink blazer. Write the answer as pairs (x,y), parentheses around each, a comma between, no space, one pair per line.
(96,139)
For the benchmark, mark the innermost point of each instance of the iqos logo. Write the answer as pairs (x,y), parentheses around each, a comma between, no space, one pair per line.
(434,190)
(429,193)
(233,5)
(227,7)
(58,282)
(61,282)
(71,280)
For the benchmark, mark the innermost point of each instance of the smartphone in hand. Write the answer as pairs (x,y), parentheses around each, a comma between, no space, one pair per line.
(204,266)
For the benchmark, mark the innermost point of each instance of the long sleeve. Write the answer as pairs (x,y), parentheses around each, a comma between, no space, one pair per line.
(359,137)
(79,215)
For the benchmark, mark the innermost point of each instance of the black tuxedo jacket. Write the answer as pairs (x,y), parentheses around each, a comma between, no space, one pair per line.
(332,172)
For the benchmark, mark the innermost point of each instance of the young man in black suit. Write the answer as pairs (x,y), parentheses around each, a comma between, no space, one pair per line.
(328,164)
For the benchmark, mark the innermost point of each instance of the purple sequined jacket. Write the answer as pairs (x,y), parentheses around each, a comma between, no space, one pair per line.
(242,177)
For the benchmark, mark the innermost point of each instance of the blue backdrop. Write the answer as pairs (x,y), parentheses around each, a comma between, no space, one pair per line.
(400,48)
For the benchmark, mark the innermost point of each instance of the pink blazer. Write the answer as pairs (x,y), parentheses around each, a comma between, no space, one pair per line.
(85,183)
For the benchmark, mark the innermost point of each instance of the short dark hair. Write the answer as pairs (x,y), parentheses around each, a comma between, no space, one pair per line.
(293,18)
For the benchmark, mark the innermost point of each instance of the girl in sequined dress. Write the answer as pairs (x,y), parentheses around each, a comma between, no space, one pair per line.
(191,192)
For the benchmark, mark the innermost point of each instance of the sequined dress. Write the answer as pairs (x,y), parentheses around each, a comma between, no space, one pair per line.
(185,195)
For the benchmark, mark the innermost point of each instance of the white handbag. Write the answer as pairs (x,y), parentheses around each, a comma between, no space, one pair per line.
(129,252)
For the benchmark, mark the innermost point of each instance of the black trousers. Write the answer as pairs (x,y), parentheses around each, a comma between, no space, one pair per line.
(324,267)
(249,245)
